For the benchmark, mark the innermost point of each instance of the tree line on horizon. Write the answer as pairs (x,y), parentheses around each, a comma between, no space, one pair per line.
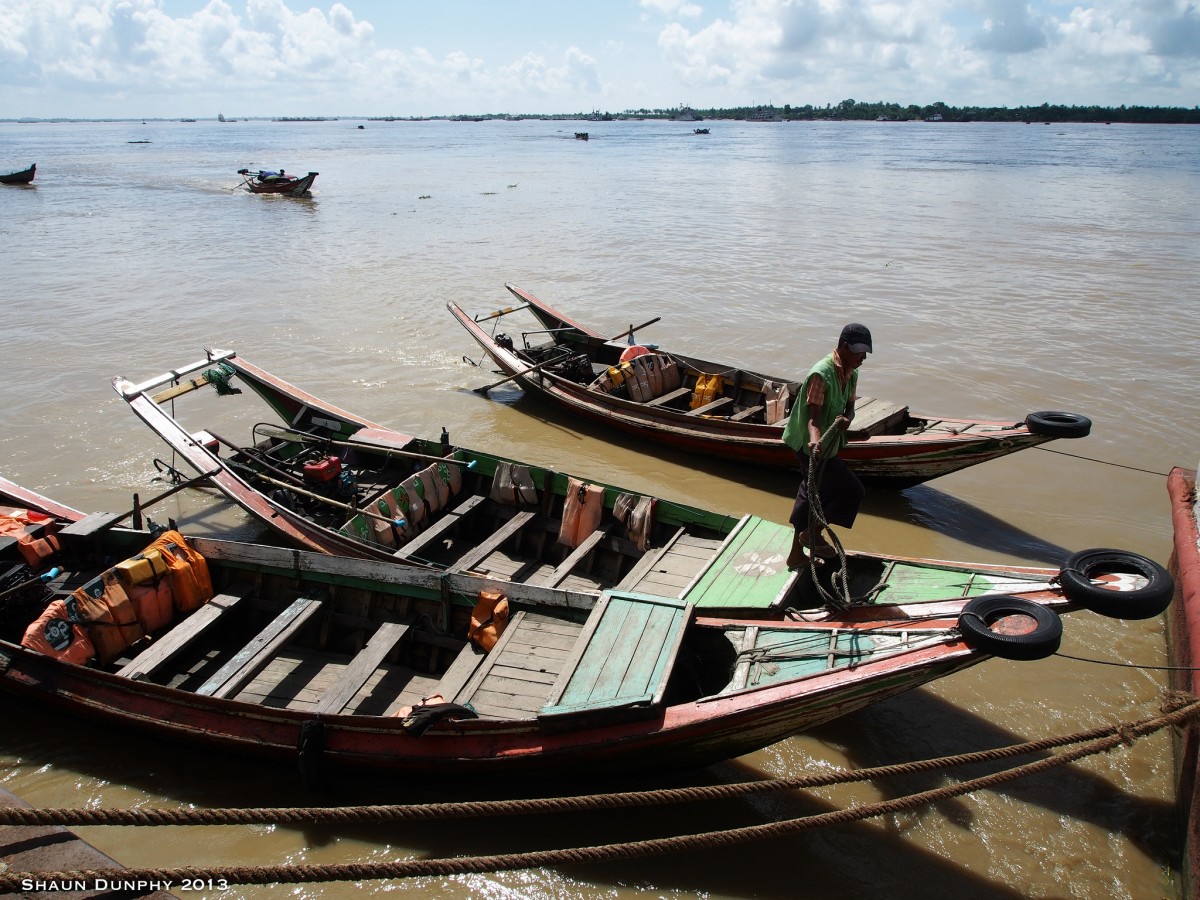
(857,110)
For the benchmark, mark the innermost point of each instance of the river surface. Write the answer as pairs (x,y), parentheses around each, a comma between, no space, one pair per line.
(1002,269)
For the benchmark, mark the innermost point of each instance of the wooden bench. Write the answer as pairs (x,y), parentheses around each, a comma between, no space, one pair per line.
(746,413)
(253,658)
(481,552)
(438,529)
(719,403)
(666,398)
(182,635)
(91,525)
(564,568)
(624,656)
(361,668)
(647,562)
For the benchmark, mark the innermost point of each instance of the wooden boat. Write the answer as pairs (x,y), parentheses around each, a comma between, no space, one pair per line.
(330,481)
(339,662)
(720,410)
(23,177)
(265,182)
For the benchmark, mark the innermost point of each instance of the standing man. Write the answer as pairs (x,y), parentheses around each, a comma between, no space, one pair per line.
(826,399)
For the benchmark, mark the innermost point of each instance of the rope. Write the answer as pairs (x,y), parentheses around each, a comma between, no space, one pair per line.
(1177,707)
(1182,708)
(839,580)
(1103,462)
(1147,666)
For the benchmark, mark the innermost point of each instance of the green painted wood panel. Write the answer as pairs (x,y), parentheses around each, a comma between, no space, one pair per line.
(751,570)
(629,654)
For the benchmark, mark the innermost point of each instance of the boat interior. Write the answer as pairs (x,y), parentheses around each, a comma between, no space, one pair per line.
(333,637)
(687,385)
(471,513)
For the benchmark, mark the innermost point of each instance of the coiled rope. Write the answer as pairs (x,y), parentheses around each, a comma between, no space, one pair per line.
(839,580)
(1177,709)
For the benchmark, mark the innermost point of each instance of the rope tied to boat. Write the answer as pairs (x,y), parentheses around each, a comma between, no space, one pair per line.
(1176,710)
(839,579)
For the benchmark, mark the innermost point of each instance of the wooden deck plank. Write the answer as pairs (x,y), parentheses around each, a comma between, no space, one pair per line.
(719,403)
(750,571)
(746,413)
(247,662)
(181,636)
(567,565)
(362,667)
(479,553)
(525,663)
(624,655)
(664,399)
(438,529)
(873,416)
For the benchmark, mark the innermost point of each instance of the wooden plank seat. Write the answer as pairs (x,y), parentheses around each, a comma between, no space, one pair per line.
(362,667)
(181,636)
(624,656)
(251,659)
(719,403)
(746,413)
(91,525)
(563,570)
(875,417)
(438,529)
(485,549)
(664,399)
(649,559)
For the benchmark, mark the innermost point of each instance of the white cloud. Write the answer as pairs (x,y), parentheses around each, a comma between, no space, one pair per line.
(673,9)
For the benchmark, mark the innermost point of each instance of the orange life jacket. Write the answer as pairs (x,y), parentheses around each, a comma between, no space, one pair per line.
(582,511)
(108,616)
(191,586)
(54,633)
(488,619)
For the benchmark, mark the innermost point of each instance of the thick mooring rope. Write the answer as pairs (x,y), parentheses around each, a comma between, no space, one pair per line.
(1179,709)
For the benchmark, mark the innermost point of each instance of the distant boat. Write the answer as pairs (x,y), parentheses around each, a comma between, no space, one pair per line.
(687,114)
(264,182)
(221,118)
(23,177)
(700,131)
(764,115)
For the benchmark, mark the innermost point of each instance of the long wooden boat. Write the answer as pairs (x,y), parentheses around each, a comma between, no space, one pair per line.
(263,182)
(25,176)
(721,410)
(336,662)
(330,481)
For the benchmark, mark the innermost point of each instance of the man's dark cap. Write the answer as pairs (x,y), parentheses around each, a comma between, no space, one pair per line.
(857,336)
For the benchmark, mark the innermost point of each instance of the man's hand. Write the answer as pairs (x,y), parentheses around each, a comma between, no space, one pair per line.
(841,423)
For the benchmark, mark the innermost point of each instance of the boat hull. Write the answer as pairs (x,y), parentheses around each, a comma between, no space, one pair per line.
(288,188)
(23,177)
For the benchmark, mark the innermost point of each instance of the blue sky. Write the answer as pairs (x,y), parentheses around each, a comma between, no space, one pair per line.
(174,58)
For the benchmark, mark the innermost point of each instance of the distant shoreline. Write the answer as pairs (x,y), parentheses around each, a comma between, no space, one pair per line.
(847,110)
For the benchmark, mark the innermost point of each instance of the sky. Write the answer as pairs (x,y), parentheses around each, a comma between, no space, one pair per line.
(195,58)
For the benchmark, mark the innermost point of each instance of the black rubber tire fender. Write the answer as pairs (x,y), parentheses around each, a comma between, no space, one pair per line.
(981,614)
(1058,424)
(1144,602)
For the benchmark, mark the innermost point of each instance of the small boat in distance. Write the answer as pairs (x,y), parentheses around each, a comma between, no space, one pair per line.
(723,410)
(267,182)
(25,176)
(331,662)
